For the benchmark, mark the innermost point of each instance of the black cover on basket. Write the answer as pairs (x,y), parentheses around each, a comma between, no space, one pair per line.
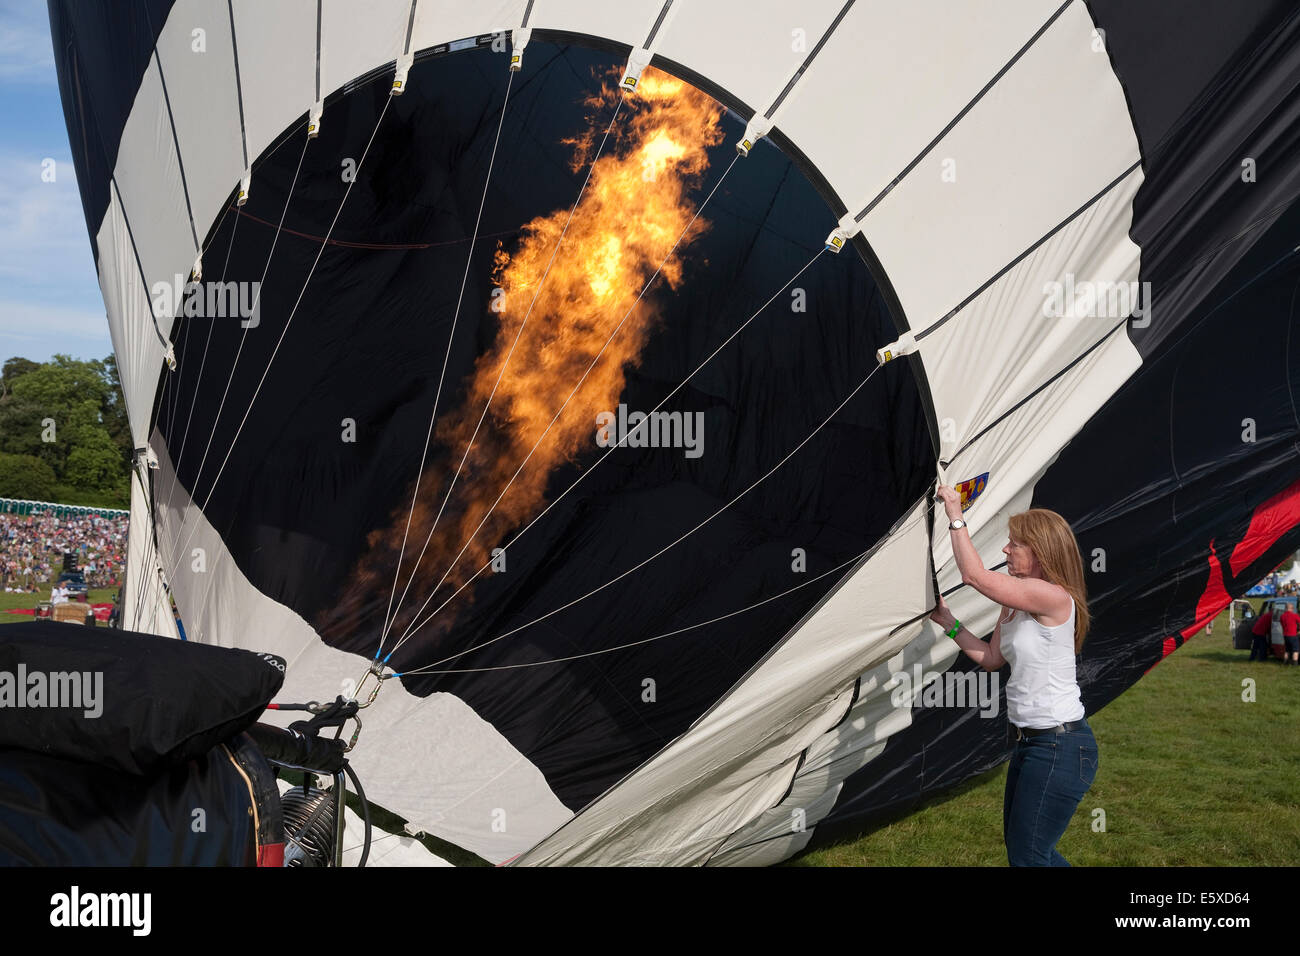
(133,702)
(211,811)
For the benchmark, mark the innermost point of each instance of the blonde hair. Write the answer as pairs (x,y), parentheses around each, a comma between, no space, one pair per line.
(1048,535)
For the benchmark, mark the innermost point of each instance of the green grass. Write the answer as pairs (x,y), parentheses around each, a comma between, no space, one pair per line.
(1190,775)
(13,601)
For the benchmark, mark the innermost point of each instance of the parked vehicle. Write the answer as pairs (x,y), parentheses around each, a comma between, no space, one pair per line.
(1241,618)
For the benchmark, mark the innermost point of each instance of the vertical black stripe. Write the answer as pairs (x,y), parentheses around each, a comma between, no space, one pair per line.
(410,27)
(162,340)
(966,109)
(239,89)
(929,534)
(654,30)
(528,12)
(1020,404)
(318,27)
(808,62)
(180,160)
(1018,259)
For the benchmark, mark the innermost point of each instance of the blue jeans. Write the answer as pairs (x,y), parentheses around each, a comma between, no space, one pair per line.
(1048,776)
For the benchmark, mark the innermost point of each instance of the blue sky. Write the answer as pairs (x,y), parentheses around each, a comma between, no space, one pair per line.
(49,294)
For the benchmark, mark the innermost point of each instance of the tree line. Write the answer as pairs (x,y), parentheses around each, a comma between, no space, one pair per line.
(64,435)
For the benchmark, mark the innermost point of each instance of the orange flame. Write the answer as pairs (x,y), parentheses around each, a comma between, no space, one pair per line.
(634,209)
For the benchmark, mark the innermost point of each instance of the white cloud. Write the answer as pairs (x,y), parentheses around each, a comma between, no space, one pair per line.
(36,330)
(42,229)
(26,54)
(49,293)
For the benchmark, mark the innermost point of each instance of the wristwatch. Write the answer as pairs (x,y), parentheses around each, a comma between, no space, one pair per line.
(954,525)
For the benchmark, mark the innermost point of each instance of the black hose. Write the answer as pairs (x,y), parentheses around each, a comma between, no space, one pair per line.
(290,748)
(365,810)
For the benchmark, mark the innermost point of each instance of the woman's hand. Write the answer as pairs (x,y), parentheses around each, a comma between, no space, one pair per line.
(942,616)
(951,501)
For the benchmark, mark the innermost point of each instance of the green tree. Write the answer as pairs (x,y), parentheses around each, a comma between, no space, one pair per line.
(77,403)
(20,429)
(93,462)
(25,476)
(13,368)
(114,412)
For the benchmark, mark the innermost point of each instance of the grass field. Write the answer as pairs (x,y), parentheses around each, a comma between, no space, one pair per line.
(1189,775)
(12,601)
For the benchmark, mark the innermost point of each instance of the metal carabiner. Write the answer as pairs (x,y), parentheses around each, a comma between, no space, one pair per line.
(373,694)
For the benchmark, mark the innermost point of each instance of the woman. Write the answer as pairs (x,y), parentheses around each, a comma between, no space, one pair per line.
(1041,628)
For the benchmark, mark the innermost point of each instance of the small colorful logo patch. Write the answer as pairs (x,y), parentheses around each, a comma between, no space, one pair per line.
(971,489)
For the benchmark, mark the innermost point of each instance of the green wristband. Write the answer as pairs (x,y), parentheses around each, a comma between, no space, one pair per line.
(956,626)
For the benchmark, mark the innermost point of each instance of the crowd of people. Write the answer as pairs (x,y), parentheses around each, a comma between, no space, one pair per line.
(1278,624)
(32,549)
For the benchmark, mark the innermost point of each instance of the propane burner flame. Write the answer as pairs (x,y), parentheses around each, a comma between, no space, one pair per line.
(557,309)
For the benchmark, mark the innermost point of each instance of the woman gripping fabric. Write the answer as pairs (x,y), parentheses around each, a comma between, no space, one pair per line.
(1040,631)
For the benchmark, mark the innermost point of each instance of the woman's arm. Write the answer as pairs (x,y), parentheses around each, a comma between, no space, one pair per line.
(988,656)
(1033,595)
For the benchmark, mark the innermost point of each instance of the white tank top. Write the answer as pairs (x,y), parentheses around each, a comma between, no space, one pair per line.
(1043,690)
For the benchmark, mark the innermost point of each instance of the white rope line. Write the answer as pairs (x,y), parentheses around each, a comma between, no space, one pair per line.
(657,637)
(266,267)
(171,491)
(644,288)
(142,586)
(138,585)
(234,229)
(451,338)
(520,758)
(294,311)
(180,364)
(225,266)
(169,398)
(637,567)
(203,363)
(609,451)
(176,556)
(469,447)
(215,232)
(386,836)
(211,572)
(160,558)
(197,635)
